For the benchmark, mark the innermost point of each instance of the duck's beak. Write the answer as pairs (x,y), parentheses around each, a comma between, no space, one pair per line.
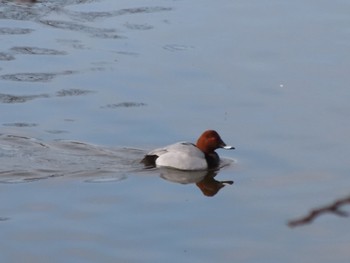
(227,147)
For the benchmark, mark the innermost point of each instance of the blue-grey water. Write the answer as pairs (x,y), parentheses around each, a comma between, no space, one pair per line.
(88,87)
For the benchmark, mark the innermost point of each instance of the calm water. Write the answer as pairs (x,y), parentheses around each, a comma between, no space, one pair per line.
(88,87)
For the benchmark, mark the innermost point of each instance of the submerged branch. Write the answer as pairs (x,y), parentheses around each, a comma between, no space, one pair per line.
(333,208)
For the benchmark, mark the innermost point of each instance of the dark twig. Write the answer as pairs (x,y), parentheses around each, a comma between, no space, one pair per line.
(333,208)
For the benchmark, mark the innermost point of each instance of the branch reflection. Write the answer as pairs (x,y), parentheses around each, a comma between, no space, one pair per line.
(334,208)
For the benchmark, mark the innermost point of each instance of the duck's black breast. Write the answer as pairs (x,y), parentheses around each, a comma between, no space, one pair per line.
(212,159)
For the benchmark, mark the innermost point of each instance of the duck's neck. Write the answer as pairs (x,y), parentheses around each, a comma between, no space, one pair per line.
(212,159)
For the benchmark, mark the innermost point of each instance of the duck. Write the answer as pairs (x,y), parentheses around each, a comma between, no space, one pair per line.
(188,156)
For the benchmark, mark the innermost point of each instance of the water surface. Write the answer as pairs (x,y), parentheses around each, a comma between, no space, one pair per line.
(88,87)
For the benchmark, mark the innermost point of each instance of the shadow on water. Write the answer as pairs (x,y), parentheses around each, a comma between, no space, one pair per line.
(27,159)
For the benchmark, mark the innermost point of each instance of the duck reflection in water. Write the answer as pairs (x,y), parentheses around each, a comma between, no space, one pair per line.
(204,180)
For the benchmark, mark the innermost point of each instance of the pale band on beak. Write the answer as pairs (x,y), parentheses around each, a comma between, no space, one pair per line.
(227,147)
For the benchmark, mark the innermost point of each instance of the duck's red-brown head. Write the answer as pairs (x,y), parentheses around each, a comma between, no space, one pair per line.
(209,141)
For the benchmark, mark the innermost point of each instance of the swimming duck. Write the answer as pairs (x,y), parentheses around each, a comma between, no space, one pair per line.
(189,156)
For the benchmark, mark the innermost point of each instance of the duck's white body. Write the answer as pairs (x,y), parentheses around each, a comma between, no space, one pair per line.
(181,155)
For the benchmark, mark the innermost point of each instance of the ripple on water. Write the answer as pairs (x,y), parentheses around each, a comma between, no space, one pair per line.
(20,176)
(8,98)
(19,13)
(72,92)
(57,131)
(73,43)
(26,159)
(177,47)
(14,31)
(95,32)
(34,77)
(138,26)
(20,124)
(6,56)
(124,105)
(91,16)
(37,51)
(111,179)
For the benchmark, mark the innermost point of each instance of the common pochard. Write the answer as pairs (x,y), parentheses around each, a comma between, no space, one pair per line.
(189,156)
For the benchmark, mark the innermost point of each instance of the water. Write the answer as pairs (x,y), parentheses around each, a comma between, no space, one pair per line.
(88,87)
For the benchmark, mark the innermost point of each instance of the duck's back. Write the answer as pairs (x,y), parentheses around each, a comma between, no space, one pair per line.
(182,155)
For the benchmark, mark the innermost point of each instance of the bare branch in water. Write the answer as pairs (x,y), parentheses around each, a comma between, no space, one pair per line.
(334,208)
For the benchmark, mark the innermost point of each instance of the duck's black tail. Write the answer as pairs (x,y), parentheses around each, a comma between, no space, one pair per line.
(149,161)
